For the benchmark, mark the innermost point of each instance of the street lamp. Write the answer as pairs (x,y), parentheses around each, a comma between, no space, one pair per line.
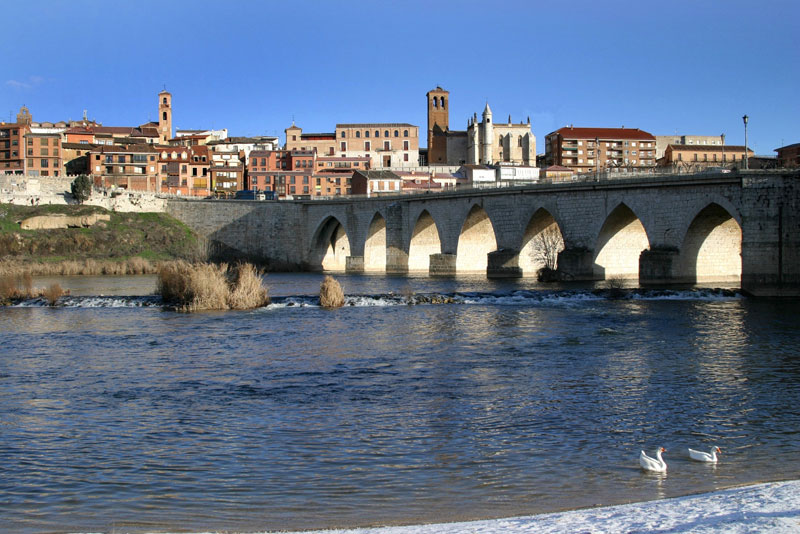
(745,119)
(723,150)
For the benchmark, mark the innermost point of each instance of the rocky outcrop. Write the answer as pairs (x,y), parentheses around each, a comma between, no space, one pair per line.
(53,222)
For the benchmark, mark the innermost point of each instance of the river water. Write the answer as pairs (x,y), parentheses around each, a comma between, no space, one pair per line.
(117,415)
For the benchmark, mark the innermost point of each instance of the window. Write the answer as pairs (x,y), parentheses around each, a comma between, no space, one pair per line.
(405,145)
(405,133)
(386,133)
(396,133)
(441,100)
(377,133)
(344,134)
(344,146)
(164,115)
(519,141)
(366,133)
(367,145)
(44,152)
(30,152)
(387,145)
(45,163)
(405,157)
(358,135)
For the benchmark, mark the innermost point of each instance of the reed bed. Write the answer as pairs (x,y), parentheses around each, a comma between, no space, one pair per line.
(87,267)
(207,286)
(330,293)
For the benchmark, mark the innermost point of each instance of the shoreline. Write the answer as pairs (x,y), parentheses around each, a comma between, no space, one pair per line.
(764,507)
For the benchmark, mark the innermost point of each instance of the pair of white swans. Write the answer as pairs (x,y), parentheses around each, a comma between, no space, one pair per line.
(658,465)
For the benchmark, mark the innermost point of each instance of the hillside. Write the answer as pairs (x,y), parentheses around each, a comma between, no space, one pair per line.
(104,248)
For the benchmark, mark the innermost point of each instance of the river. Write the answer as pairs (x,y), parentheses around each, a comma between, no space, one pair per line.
(514,398)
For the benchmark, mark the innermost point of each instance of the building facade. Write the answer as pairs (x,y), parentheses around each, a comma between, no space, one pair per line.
(789,156)
(438,125)
(164,117)
(43,152)
(323,143)
(387,145)
(492,143)
(132,167)
(12,144)
(601,149)
(662,141)
(698,157)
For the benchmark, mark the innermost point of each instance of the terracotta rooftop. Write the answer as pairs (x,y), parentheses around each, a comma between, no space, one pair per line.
(709,148)
(569,132)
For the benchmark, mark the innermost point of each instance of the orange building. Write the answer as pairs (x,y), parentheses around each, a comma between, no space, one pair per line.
(43,154)
(692,157)
(184,170)
(789,156)
(12,139)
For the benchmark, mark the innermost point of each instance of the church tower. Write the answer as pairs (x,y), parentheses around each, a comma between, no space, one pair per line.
(487,135)
(164,117)
(438,124)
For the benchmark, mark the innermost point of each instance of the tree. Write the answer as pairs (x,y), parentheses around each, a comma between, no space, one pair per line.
(82,188)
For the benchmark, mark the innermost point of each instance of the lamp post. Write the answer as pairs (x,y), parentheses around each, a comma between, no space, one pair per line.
(723,150)
(745,119)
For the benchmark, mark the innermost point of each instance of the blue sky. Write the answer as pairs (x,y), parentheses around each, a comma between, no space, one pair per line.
(692,67)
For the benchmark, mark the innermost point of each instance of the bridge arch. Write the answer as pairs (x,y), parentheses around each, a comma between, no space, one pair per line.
(330,245)
(620,242)
(712,247)
(541,243)
(476,240)
(424,241)
(375,245)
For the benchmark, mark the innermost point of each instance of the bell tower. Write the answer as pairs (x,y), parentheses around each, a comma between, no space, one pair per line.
(164,117)
(438,124)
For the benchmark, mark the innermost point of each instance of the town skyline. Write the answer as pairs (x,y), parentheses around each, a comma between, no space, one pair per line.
(276,64)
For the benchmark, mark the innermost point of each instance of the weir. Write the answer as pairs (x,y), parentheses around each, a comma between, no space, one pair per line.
(738,227)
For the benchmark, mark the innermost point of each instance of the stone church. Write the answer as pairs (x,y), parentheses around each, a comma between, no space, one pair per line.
(484,142)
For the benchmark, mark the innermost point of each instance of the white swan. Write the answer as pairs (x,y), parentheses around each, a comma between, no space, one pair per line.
(656,464)
(705,456)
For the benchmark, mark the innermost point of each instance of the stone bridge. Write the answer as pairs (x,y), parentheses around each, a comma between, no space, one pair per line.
(740,227)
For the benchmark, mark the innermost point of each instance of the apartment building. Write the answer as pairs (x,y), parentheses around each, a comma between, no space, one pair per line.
(184,170)
(388,145)
(12,142)
(227,172)
(601,149)
(43,152)
(323,143)
(133,167)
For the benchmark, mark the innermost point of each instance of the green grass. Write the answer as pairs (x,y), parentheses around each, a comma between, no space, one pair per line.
(153,236)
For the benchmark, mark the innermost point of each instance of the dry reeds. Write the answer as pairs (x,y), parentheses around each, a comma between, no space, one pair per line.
(53,293)
(20,287)
(87,267)
(206,286)
(330,293)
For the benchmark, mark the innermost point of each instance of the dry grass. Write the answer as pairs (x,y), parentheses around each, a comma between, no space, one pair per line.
(88,267)
(330,293)
(207,286)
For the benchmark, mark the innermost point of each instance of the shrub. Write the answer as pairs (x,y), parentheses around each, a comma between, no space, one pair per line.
(81,188)
(614,285)
(247,289)
(330,293)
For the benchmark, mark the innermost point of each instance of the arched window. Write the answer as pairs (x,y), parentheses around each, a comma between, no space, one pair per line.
(344,134)
(377,133)
(358,134)
(386,133)
(435,102)
(366,133)
(519,141)
(396,133)
(405,133)
(442,102)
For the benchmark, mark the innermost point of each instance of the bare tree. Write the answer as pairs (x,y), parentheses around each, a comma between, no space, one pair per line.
(546,246)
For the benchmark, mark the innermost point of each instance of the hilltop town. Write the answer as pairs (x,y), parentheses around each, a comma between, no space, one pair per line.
(369,159)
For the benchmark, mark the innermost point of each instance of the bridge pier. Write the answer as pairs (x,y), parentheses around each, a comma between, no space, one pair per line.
(657,265)
(396,261)
(354,264)
(442,265)
(503,263)
(575,264)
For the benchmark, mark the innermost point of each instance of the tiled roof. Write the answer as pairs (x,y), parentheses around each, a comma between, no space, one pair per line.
(569,132)
(124,149)
(144,131)
(379,175)
(558,168)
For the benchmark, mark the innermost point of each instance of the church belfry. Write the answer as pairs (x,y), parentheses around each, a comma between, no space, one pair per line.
(438,124)
(164,117)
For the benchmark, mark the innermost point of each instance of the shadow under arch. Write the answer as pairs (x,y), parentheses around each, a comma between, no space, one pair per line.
(541,243)
(425,241)
(620,242)
(330,246)
(375,245)
(712,248)
(475,242)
